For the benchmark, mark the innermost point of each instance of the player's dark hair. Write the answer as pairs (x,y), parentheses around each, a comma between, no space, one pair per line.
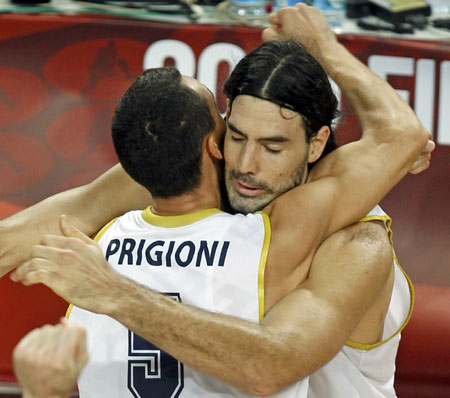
(158,130)
(284,73)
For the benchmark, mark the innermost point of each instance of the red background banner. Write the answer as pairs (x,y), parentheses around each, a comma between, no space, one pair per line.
(60,78)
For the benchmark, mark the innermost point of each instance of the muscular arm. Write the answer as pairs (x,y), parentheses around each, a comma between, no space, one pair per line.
(89,207)
(300,333)
(347,183)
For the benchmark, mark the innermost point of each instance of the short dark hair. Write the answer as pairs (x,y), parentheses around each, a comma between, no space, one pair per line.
(284,73)
(158,129)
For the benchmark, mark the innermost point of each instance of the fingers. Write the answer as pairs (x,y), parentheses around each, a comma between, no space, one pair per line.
(69,230)
(270,33)
(273,31)
(419,167)
(48,360)
(53,254)
(421,164)
(36,271)
(47,261)
(81,353)
(430,146)
(423,161)
(72,343)
(273,19)
(302,23)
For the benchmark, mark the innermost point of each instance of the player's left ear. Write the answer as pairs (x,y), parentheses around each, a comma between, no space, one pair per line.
(317,144)
(213,147)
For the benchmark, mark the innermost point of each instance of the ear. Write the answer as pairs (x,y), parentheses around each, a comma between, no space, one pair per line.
(317,144)
(213,147)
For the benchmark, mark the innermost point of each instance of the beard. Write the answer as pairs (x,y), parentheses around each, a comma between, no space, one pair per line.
(241,203)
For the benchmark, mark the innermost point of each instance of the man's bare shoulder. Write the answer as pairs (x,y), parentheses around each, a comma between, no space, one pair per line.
(367,241)
(373,231)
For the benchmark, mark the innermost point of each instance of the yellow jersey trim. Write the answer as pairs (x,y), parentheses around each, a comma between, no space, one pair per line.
(177,221)
(368,347)
(97,238)
(262,263)
(68,311)
(103,230)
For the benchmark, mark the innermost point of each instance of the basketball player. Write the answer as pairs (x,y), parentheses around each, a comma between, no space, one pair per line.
(324,304)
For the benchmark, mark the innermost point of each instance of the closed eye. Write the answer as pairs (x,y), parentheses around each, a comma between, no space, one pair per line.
(236,137)
(272,150)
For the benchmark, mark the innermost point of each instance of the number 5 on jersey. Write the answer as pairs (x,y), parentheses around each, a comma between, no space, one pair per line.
(152,373)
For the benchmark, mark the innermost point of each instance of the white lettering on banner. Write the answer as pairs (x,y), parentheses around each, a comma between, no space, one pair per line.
(384,65)
(425,96)
(443,136)
(208,61)
(159,51)
(211,57)
(424,92)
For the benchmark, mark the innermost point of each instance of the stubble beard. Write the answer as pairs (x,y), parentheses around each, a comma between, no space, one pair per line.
(247,204)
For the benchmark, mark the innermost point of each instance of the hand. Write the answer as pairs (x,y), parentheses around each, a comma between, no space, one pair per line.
(48,360)
(301,23)
(423,161)
(73,266)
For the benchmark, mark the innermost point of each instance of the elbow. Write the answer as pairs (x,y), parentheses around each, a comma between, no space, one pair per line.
(265,381)
(274,366)
(262,386)
(424,136)
(418,133)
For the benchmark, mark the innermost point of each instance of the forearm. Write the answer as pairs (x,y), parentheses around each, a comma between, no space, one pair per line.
(22,230)
(88,207)
(378,107)
(211,343)
(380,110)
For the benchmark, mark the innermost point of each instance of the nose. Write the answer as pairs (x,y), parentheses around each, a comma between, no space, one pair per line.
(248,161)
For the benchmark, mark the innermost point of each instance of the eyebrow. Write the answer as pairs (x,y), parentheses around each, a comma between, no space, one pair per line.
(274,138)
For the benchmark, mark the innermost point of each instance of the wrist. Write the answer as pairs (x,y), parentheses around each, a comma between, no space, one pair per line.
(326,51)
(122,296)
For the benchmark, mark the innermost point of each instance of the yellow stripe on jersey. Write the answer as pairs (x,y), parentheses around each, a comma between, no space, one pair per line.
(262,263)
(103,230)
(68,311)
(176,221)
(367,347)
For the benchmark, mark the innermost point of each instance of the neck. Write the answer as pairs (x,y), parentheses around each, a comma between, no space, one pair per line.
(206,196)
(187,203)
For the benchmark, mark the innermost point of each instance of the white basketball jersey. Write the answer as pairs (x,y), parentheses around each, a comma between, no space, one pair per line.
(208,259)
(367,370)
